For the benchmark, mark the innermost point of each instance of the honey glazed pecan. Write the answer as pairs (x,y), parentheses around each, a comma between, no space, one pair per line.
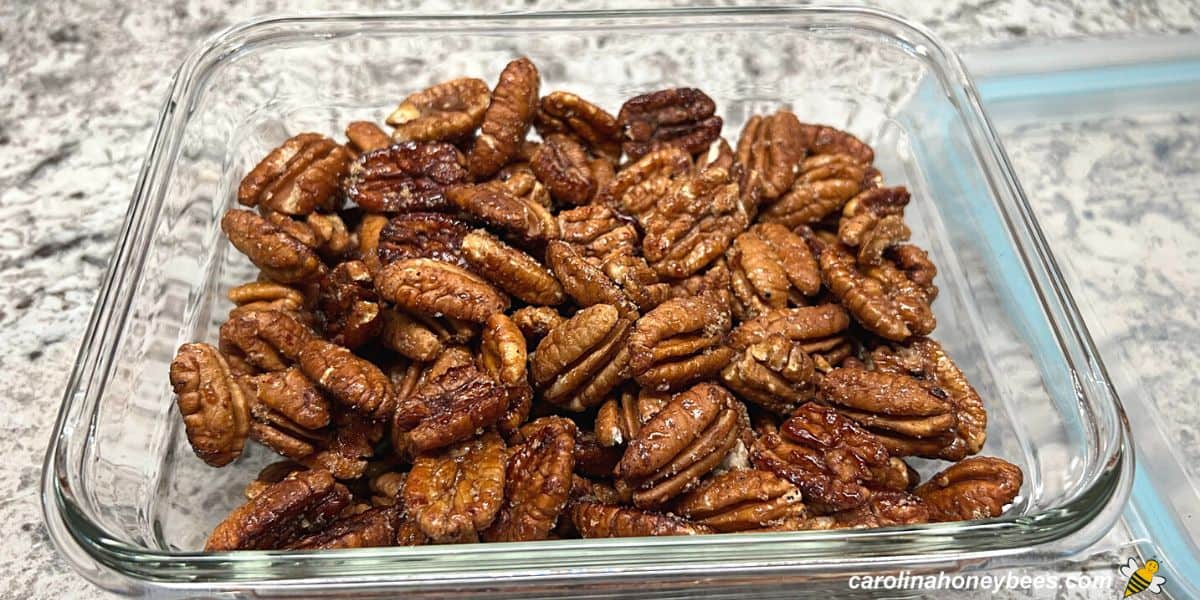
(298,177)
(445,112)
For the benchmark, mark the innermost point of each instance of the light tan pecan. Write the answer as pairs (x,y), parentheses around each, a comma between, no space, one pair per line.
(510,269)
(453,401)
(741,500)
(882,298)
(581,360)
(538,482)
(595,520)
(455,495)
(508,117)
(566,113)
(448,111)
(298,177)
(266,295)
(352,381)
(267,339)
(420,337)
(680,342)
(771,149)
(302,503)
(280,256)
(770,267)
(597,232)
(495,206)
(637,280)
(682,117)
(873,222)
(369,231)
(431,287)
(216,413)
(818,329)
(403,177)
(775,373)
(365,136)
(824,185)
(974,488)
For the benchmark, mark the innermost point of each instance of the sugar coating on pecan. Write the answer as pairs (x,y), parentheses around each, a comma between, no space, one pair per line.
(435,288)
(680,342)
(694,224)
(775,373)
(562,164)
(741,500)
(216,412)
(883,299)
(581,360)
(455,495)
(421,235)
(405,177)
(771,149)
(354,382)
(280,256)
(298,177)
(510,269)
(538,483)
(269,340)
(447,111)
(451,404)
(508,117)
(497,207)
(302,503)
(597,232)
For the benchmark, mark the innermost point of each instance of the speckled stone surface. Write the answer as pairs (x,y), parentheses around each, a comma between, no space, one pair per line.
(81,85)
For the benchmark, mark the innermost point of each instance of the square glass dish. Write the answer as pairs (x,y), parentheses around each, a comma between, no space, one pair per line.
(128,504)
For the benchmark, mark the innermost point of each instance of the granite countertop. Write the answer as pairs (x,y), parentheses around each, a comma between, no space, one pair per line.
(81,89)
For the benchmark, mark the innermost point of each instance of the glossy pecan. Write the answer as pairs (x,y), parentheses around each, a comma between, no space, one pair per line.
(348,306)
(267,339)
(882,298)
(620,419)
(566,113)
(422,235)
(510,269)
(280,256)
(775,373)
(538,482)
(770,267)
(495,206)
(884,509)
(266,295)
(593,459)
(741,500)
(370,229)
(685,440)
(270,474)
(508,117)
(298,177)
(824,185)
(581,360)
(693,224)
(562,164)
(302,503)
(595,520)
(536,321)
(974,488)
(639,282)
(681,117)
(432,287)
(454,495)
(585,282)
(597,232)
(387,488)
(714,280)
(352,381)
(366,136)
(421,337)
(818,329)
(409,176)
(770,150)
(369,529)
(680,342)
(823,139)
(216,413)
(873,222)
(453,401)
(637,189)
(504,355)
(329,235)
(445,112)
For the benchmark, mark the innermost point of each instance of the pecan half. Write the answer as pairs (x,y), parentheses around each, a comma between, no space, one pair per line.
(267,339)
(266,295)
(354,382)
(637,189)
(883,298)
(884,509)
(536,321)
(581,360)
(974,488)
(432,287)
(873,221)
(563,165)
(291,394)
(823,139)
(694,224)
(372,528)
(504,356)
(302,503)
(585,282)
(366,136)
(620,419)
(298,177)
(495,206)
(508,117)
(538,483)
(280,256)
(445,112)
(680,342)
(422,235)
(215,411)
(825,184)
(455,495)
(771,149)
(405,177)
(510,269)
(596,232)
(421,337)
(815,328)
(270,474)
(595,520)
(770,267)
(639,282)
(679,117)
(741,500)
(369,231)
(453,401)
(775,373)
(566,113)
(348,306)
(688,438)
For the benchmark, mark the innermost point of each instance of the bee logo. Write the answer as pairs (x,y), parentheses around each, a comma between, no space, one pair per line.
(1142,578)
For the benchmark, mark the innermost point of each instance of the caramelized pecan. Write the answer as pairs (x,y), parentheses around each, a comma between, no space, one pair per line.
(638,188)
(682,117)
(595,520)
(566,113)
(445,112)
(372,528)
(432,287)
(493,205)
(596,232)
(455,495)
(584,282)
(354,382)
(504,356)
(215,411)
(824,185)
(366,136)
(680,342)
(974,488)
(508,117)
(741,500)
(694,224)
(620,419)
(770,267)
(302,503)
(421,337)
(775,373)
(421,235)
(452,403)
(882,298)
(582,359)
(563,166)
(405,177)
(538,483)
(536,321)
(280,256)
(771,149)
(298,177)
(348,306)
(823,139)
(510,269)
(268,339)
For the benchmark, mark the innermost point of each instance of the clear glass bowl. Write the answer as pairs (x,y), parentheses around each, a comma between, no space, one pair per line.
(127,503)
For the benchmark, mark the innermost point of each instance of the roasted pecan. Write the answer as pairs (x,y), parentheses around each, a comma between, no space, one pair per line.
(421,337)
(741,500)
(637,189)
(494,205)
(455,495)
(268,339)
(302,503)
(693,224)
(816,328)
(582,359)
(536,321)
(830,458)
(366,136)
(595,520)
(583,488)
(688,438)
(639,282)
(770,150)
(271,474)
(584,282)
(291,394)
(216,413)
(348,306)
(372,528)
(824,185)
(508,117)
(387,488)
(566,113)
(422,235)
(405,177)
(770,267)
(446,112)
(518,180)
(823,139)
(715,280)
(884,509)
(354,382)
(511,269)
(873,221)
(593,459)
(620,419)
(329,235)
(504,355)
(916,265)
(680,342)
(538,483)
(882,298)
(974,488)
(298,177)
(680,117)
(265,295)
(596,232)
(432,287)
(280,256)
(563,165)
(370,229)
(775,373)
(453,401)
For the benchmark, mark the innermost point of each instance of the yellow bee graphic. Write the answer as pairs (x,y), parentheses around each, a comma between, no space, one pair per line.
(1143,578)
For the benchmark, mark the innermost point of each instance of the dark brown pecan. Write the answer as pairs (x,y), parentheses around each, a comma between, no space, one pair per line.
(882,298)
(267,339)
(494,205)
(562,164)
(595,520)
(504,355)
(566,113)
(884,509)
(637,189)
(620,419)
(422,337)
(508,117)
(823,139)
(741,500)
(405,177)
(445,112)
(435,288)
(593,459)
(302,503)
(270,474)
(583,488)
(536,321)
(584,358)
(511,269)
(538,483)
(688,438)
(974,488)
(680,342)
(422,235)
(824,185)
(348,306)
(680,117)
(770,150)
(584,282)
(298,177)
(596,232)
(366,136)
(216,413)
(775,374)
(280,256)
(369,529)
(453,401)
(354,382)
(770,267)
(455,495)
(830,458)
(693,224)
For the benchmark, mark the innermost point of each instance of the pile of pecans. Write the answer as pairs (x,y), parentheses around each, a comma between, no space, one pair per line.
(628,328)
